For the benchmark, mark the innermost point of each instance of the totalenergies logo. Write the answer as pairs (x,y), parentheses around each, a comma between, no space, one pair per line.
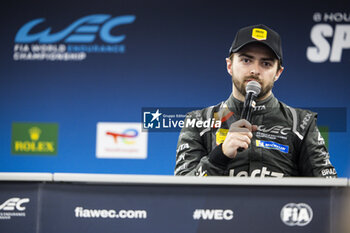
(83,30)
(127,136)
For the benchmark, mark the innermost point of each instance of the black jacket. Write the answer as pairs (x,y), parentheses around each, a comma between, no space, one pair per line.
(287,143)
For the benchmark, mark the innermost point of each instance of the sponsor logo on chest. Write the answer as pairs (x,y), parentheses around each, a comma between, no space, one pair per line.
(273,132)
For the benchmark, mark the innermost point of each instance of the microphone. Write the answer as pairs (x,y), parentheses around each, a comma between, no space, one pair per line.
(252,89)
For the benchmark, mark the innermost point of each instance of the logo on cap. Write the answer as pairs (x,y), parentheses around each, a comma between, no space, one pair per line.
(259,34)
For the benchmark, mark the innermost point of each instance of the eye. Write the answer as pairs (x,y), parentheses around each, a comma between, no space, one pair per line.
(267,64)
(245,60)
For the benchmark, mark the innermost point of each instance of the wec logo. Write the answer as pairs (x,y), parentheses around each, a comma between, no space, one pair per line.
(294,214)
(14,203)
(277,129)
(83,30)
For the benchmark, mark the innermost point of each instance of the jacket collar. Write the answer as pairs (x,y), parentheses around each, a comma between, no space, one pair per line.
(261,107)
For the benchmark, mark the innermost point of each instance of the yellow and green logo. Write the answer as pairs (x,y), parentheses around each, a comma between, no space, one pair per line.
(34,138)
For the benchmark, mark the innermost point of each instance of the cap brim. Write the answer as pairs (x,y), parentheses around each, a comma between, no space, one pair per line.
(255,41)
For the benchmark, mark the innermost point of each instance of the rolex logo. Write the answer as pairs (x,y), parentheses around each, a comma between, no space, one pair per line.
(34,138)
(34,133)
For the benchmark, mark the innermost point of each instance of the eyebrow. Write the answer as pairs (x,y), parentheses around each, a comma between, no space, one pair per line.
(252,57)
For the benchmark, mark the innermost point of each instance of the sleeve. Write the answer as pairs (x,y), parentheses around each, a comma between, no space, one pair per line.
(193,157)
(314,157)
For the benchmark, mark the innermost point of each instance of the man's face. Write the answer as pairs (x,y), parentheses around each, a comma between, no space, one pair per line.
(253,62)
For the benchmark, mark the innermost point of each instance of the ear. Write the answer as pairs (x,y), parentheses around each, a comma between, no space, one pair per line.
(229,65)
(278,74)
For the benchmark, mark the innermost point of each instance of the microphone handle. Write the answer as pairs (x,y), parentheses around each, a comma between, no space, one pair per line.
(247,110)
(247,107)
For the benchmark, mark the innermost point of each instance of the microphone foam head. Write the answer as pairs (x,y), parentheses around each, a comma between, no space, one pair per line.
(253,86)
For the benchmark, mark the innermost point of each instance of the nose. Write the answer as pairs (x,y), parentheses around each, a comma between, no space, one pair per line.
(254,70)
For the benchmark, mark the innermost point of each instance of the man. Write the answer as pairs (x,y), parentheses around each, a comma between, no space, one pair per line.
(279,141)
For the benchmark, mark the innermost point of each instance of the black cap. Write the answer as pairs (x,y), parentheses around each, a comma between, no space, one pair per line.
(258,33)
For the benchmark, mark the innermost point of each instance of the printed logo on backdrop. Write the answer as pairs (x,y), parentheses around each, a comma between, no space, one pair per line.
(213,214)
(13,207)
(173,120)
(37,40)
(34,138)
(293,214)
(330,36)
(121,140)
(81,212)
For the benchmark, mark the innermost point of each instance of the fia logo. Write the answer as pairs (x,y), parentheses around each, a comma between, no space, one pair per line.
(294,214)
(14,203)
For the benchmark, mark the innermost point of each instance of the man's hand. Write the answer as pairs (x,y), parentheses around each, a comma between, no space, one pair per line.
(239,136)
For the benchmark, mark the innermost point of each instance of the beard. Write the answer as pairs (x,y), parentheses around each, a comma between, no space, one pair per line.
(240,86)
